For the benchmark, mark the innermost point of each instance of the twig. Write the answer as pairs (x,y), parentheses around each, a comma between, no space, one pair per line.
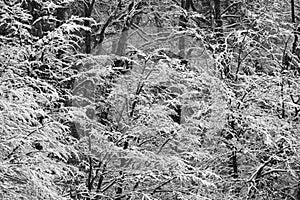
(89,182)
(275,171)
(233,4)
(17,147)
(161,185)
(259,170)
(112,183)
(162,146)
(109,185)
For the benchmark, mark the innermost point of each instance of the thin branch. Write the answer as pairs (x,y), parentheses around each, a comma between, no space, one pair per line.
(106,24)
(239,61)
(101,178)
(89,182)
(259,170)
(98,168)
(161,185)
(162,146)
(17,147)
(109,185)
(112,183)
(275,171)
(226,9)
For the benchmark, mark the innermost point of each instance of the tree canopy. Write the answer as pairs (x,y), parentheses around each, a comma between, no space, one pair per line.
(144,99)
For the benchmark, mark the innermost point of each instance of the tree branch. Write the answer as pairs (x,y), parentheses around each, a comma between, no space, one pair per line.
(259,170)
(17,147)
(106,24)
(230,6)
(161,185)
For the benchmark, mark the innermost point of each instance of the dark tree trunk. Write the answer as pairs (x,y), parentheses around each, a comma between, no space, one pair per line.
(293,11)
(218,20)
(295,43)
(88,8)
(186,5)
(234,164)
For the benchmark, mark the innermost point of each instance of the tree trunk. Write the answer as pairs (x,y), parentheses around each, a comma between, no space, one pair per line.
(218,20)
(182,25)
(122,41)
(295,42)
(88,8)
(186,5)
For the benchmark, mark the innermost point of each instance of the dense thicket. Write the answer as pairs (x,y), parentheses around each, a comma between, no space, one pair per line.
(137,99)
